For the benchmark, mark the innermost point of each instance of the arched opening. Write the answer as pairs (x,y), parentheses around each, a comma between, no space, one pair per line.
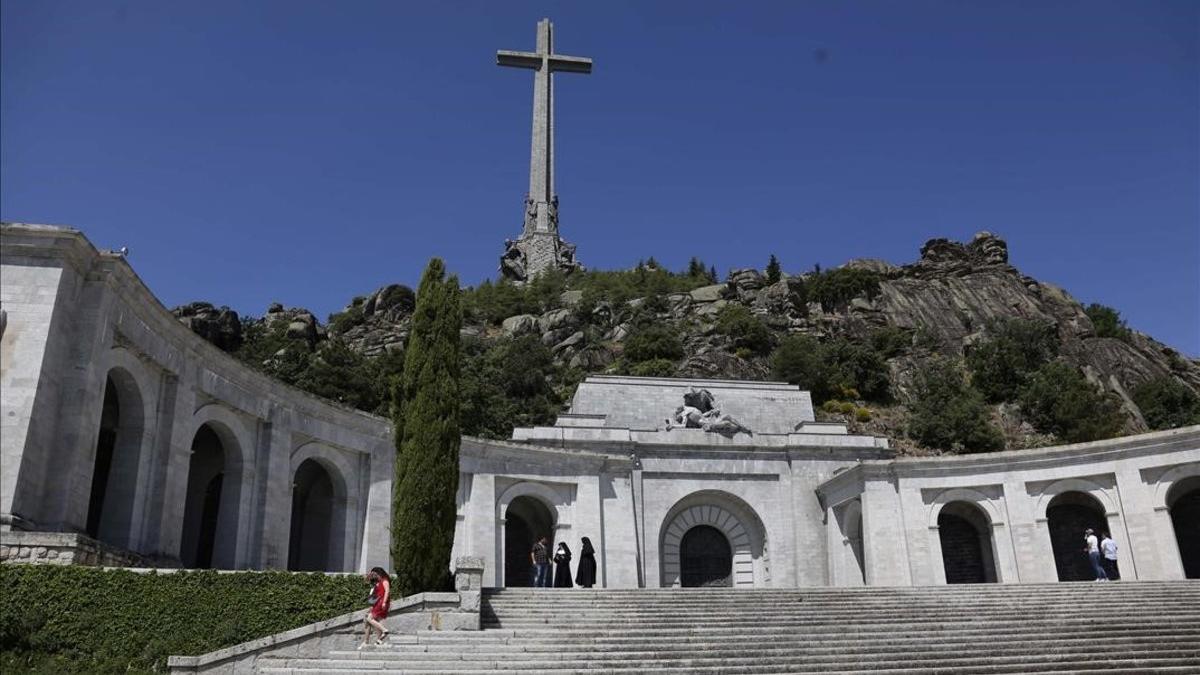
(965,535)
(525,520)
(210,510)
(705,558)
(1183,499)
(853,570)
(1068,515)
(114,473)
(312,518)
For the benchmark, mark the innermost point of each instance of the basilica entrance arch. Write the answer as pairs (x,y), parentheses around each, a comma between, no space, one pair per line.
(1183,501)
(525,519)
(713,538)
(705,558)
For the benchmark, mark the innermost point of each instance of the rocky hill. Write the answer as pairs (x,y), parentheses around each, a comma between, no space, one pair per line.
(862,337)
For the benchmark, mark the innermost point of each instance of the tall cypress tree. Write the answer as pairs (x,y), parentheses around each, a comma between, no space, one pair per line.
(425,485)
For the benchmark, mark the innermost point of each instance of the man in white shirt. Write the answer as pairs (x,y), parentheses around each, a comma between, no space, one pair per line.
(1108,549)
(1092,547)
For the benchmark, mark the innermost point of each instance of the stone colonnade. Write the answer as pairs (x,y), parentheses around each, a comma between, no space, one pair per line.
(900,522)
(121,424)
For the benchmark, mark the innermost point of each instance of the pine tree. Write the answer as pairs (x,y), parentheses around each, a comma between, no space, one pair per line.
(712,274)
(425,485)
(695,268)
(773,271)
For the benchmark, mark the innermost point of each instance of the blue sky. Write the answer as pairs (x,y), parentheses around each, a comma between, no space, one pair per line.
(306,152)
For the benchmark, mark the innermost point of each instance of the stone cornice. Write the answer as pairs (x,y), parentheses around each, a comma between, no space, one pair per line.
(1113,449)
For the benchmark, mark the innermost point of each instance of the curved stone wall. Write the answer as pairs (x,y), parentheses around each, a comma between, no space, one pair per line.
(79,322)
(1036,504)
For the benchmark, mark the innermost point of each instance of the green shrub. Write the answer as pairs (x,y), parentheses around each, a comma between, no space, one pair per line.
(1167,403)
(653,368)
(1107,321)
(349,318)
(948,413)
(88,620)
(509,383)
(832,406)
(837,287)
(1058,399)
(773,271)
(839,367)
(847,408)
(653,341)
(862,415)
(1003,363)
(801,360)
(891,341)
(858,370)
(747,331)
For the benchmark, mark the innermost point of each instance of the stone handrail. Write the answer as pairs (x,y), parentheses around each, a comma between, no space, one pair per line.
(458,610)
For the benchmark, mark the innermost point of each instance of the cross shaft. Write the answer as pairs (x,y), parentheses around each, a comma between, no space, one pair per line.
(541,154)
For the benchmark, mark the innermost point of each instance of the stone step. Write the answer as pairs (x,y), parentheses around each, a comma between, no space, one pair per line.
(1022,662)
(1119,636)
(1049,618)
(865,651)
(555,614)
(981,627)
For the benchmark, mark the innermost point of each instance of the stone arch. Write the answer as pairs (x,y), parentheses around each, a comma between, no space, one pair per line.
(531,507)
(218,490)
(1083,485)
(1068,514)
(121,450)
(340,538)
(730,516)
(1170,479)
(964,531)
(1183,504)
(849,555)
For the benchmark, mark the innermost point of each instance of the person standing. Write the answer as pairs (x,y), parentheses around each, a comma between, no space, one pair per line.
(1092,548)
(585,572)
(379,599)
(562,566)
(540,558)
(1108,549)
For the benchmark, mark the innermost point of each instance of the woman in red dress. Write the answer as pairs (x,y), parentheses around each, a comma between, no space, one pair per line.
(380,598)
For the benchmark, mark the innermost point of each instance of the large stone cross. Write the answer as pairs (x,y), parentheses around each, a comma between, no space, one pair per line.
(541,206)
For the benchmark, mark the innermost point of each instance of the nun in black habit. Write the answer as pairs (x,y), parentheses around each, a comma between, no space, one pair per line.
(585,574)
(562,566)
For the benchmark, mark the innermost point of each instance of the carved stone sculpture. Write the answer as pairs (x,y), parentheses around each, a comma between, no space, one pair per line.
(700,411)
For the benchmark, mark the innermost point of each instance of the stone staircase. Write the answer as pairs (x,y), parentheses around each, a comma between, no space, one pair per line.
(1116,627)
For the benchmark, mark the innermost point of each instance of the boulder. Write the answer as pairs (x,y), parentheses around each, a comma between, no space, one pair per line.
(747,279)
(395,298)
(220,326)
(711,293)
(520,324)
(570,298)
(556,319)
(575,339)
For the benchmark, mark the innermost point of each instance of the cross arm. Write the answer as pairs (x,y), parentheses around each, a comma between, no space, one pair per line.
(570,64)
(518,59)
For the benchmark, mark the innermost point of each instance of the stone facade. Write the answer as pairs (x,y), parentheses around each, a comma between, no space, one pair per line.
(120,423)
